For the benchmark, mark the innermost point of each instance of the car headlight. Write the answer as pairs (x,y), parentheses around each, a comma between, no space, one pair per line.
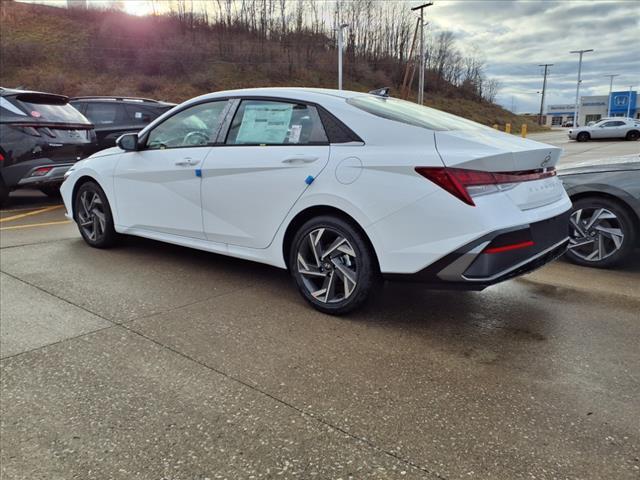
(67,173)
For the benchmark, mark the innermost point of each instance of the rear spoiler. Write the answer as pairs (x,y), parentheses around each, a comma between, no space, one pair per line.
(47,98)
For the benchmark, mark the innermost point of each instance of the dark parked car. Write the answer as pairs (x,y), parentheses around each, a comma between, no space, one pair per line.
(605,221)
(41,136)
(115,116)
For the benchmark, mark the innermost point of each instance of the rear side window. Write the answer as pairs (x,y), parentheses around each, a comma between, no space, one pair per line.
(140,114)
(266,122)
(412,113)
(49,110)
(101,113)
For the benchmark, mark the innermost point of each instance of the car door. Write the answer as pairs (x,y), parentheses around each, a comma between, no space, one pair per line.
(158,188)
(272,151)
(606,130)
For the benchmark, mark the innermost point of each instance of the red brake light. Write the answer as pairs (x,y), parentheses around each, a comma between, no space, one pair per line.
(1,157)
(456,180)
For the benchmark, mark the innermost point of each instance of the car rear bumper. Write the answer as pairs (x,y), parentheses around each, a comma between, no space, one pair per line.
(51,177)
(492,259)
(24,174)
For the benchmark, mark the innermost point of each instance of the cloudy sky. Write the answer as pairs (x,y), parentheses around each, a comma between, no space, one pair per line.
(516,36)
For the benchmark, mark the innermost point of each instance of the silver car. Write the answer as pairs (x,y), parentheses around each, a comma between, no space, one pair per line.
(616,127)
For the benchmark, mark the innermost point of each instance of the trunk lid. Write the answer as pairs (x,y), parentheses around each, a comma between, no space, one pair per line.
(492,151)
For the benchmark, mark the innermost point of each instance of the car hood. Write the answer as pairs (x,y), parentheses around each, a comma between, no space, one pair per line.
(616,164)
(107,152)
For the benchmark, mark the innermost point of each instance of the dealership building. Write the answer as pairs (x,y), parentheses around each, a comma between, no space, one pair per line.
(594,108)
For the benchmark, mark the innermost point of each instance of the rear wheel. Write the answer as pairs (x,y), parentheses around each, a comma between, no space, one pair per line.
(4,193)
(583,137)
(633,135)
(601,233)
(52,191)
(333,265)
(93,216)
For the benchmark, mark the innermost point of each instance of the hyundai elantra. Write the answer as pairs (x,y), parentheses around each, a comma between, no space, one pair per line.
(341,188)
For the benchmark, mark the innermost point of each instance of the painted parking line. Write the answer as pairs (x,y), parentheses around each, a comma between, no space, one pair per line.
(31,225)
(28,214)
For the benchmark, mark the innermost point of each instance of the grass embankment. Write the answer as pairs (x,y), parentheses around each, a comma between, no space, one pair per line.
(112,53)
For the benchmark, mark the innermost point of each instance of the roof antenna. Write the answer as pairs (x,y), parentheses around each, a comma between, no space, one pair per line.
(380,92)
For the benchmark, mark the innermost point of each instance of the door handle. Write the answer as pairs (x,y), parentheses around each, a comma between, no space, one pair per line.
(299,159)
(187,162)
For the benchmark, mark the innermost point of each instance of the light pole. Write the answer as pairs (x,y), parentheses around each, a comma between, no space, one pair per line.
(575,114)
(610,90)
(544,89)
(341,28)
(421,76)
(629,102)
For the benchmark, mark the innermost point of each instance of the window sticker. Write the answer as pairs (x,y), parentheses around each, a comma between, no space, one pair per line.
(266,123)
(294,134)
(138,115)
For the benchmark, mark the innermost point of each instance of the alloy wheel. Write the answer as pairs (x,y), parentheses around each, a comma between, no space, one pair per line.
(91,216)
(326,262)
(595,234)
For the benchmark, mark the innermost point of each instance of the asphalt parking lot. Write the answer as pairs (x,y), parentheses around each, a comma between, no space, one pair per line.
(153,361)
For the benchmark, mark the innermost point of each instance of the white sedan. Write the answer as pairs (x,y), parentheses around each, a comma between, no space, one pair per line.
(615,127)
(341,188)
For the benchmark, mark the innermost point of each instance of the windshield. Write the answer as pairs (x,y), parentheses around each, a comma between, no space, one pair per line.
(412,113)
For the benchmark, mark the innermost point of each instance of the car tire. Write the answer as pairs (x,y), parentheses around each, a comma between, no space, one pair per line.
(583,137)
(51,191)
(633,135)
(4,193)
(93,216)
(609,239)
(333,265)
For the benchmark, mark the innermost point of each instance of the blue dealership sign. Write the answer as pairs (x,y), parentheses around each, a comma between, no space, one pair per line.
(620,102)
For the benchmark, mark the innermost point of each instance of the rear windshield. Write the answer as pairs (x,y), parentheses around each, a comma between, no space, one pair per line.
(412,113)
(50,110)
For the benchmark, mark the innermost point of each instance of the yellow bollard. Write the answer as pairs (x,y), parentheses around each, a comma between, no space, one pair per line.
(507,128)
(495,125)
(523,130)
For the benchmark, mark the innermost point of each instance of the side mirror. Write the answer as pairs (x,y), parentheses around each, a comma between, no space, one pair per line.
(128,142)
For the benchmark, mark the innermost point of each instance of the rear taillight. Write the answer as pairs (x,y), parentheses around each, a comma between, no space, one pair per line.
(466,184)
(1,157)
(40,171)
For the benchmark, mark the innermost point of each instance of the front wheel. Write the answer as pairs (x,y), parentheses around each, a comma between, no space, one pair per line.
(93,216)
(583,137)
(333,265)
(601,233)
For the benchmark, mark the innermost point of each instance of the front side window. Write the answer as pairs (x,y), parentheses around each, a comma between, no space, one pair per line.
(412,113)
(192,127)
(266,122)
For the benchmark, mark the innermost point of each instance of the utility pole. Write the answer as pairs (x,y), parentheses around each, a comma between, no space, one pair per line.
(421,76)
(577,105)
(629,102)
(610,90)
(544,89)
(341,27)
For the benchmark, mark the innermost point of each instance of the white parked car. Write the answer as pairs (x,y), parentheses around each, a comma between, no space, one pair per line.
(615,127)
(340,188)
